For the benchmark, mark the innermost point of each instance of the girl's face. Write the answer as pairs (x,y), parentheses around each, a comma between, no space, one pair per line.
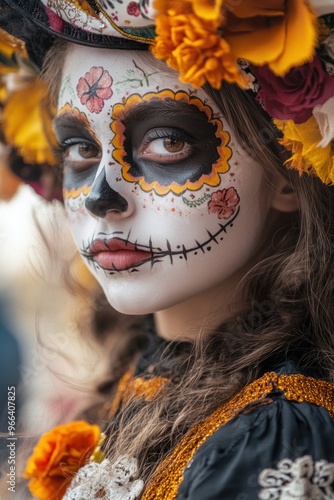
(163,202)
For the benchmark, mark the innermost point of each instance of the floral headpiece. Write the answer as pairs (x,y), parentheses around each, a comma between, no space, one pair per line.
(27,142)
(280,49)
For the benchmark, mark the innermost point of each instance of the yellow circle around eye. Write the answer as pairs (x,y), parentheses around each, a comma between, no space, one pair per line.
(173,145)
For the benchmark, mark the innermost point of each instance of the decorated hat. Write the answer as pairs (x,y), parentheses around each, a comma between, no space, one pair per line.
(281,50)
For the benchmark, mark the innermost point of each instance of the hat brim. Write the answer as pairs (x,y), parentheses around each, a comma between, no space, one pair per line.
(28,21)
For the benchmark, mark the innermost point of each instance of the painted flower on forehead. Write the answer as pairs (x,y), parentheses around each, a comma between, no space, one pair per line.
(224,202)
(94,88)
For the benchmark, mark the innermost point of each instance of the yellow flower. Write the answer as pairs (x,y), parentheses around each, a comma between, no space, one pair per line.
(9,45)
(58,456)
(193,46)
(33,135)
(302,140)
(270,32)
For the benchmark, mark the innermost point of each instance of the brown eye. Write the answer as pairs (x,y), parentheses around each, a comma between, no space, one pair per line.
(87,150)
(165,146)
(173,144)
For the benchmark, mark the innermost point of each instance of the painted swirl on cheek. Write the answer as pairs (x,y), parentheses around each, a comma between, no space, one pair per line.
(169,142)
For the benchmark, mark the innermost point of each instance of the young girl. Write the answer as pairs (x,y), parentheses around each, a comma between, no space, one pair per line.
(187,200)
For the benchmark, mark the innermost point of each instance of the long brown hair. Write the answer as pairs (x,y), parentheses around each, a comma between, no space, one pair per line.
(288,297)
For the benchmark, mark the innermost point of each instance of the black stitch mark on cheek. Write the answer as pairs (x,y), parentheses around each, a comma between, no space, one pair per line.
(157,254)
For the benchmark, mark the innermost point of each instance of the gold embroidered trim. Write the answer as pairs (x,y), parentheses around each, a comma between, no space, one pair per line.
(169,475)
(131,388)
(146,388)
(121,388)
(300,388)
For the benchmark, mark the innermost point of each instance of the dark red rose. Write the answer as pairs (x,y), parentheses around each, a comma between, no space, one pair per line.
(294,96)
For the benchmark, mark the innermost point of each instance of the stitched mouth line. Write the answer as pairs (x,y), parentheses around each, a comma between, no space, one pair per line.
(157,253)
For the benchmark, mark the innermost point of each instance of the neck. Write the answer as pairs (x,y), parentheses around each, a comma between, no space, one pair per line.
(197,316)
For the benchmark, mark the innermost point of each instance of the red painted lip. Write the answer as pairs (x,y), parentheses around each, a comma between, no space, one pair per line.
(116,255)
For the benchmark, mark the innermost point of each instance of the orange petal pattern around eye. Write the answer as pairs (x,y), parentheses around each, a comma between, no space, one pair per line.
(80,116)
(119,112)
(75,193)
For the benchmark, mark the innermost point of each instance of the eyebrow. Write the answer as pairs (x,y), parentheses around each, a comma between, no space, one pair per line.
(68,123)
(163,108)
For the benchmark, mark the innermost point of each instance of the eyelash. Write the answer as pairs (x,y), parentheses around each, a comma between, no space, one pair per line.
(61,149)
(173,135)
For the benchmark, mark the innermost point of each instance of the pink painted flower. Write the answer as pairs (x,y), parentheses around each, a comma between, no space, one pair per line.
(294,96)
(224,202)
(133,9)
(94,88)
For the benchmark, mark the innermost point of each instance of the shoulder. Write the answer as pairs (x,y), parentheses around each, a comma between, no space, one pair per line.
(282,443)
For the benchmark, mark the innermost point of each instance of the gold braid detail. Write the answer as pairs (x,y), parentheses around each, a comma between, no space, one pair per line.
(131,387)
(169,475)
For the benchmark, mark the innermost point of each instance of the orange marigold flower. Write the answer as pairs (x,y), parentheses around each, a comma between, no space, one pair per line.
(302,140)
(270,32)
(194,47)
(203,39)
(58,455)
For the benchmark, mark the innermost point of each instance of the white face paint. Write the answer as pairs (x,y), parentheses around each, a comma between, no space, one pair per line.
(162,201)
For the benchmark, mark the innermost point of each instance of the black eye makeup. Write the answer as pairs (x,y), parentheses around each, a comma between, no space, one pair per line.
(169,141)
(78,148)
(79,154)
(165,146)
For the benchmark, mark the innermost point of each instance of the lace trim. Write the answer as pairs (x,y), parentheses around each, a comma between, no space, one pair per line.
(299,479)
(105,482)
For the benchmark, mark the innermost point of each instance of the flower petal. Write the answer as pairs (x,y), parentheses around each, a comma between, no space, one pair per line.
(324,116)
(93,75)
(266,38)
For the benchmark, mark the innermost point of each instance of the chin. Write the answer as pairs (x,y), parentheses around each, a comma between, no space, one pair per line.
(139,298)
(126,305)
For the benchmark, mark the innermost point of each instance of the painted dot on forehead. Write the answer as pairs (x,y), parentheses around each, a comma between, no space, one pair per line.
(174,121)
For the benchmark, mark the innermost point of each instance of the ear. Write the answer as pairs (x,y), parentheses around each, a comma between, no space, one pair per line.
(284,199)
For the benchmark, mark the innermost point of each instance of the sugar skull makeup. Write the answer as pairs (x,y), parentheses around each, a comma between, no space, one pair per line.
(162,201)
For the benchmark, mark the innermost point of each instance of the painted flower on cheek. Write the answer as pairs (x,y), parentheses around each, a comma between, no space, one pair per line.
(224,202)
(94,88)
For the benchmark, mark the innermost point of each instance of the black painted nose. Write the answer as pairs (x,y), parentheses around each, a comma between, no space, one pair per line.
(102,198)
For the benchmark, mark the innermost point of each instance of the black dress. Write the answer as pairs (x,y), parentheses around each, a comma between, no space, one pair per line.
(273,441)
